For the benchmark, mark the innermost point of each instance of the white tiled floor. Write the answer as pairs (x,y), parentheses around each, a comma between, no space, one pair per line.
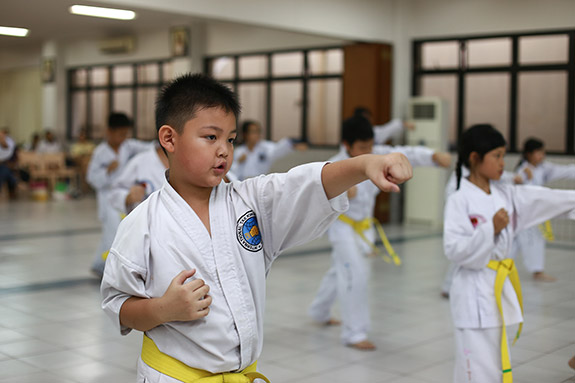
(52,328)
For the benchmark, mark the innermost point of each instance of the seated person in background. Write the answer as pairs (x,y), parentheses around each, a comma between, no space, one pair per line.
(256,156)
(49,144)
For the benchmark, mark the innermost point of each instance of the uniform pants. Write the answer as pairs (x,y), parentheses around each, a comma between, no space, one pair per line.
(110,221)
(531,244)
(346,280)
(477,355)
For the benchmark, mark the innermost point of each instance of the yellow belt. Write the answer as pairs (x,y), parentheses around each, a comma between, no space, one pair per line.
(506,268)
(172,367)
(547,231)
(360,226)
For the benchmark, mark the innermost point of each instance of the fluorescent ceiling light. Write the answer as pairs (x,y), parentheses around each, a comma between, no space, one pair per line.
(109,13)
(11,31)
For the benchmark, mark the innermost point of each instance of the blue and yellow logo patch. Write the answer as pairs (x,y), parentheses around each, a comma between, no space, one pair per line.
(248,232)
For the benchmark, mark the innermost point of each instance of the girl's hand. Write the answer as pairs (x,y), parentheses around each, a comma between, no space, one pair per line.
(500,220)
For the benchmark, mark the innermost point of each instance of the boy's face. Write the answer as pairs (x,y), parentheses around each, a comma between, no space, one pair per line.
(118,135)
(536,157)
(253,134)
(203,152)
(359,147)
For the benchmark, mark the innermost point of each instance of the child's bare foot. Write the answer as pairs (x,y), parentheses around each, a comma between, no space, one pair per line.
(541,276)
(364,345)
(332,322)
(445,294)
(572,363)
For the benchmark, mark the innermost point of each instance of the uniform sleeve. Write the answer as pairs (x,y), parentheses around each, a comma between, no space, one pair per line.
(97,174)
(120,188)
(279,149)
(555,172)
(293,207)
(125,273)
(138,146)
(536,204)
(382,133)
(417,155)
(463,244)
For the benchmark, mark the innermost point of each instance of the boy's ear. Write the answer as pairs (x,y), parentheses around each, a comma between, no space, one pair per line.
(167,137)
(346,145)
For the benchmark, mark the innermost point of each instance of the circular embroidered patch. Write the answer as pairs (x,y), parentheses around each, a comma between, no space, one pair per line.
(248,232)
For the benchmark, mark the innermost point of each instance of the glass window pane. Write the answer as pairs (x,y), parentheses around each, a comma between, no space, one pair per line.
(487,100)
(79,77)
(145,123)
(445,87)
(168,69)
(99,76)
(324,111)
(123,74)
(489,52)
(543,49)
(99,113)
(326,62)
(286,109)
(79,122)
(253,97)
(440,55)
(253,66)
(148,73)
(542,102)
(123,101)
(222,68)
(287,64)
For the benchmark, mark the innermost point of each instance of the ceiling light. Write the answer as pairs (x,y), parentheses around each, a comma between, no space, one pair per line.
(109,13)
(11,31)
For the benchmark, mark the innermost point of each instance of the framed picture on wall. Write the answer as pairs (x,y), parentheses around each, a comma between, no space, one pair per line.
(179,41)
(48,70)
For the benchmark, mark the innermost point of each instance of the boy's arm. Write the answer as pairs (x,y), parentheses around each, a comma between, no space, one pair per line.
(385,171)
(181,302)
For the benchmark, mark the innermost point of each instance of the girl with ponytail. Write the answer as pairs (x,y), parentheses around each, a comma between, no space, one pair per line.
(481,219)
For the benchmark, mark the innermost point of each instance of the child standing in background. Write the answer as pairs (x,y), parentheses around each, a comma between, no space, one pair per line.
(198,234)
(107,162)
(348,277)
(481,220)
(534,170)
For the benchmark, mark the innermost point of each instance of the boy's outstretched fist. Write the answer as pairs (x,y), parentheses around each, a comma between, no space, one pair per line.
(389,170)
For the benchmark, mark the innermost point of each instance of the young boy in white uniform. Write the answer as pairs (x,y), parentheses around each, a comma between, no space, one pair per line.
(534,170)
(107,162)
(143,175)
(198,234)
(347,279)
(481,219)
(256,156)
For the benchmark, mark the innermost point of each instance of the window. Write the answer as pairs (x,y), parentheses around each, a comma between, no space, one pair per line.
(128,88)
(293,93)
(520,83)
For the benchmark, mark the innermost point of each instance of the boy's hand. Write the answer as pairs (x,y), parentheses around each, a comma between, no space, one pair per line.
(529,173)
(442,159)
(186,301)
(500,220)
(136,194)
(387,171)
(113,166)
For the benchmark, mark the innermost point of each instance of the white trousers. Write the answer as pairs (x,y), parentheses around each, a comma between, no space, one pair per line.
(110,221)
(477,355)
(346,280)
(531,244)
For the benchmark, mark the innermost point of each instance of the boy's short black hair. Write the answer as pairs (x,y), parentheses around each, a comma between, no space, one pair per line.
(181,99)
(356,128)
(118,120)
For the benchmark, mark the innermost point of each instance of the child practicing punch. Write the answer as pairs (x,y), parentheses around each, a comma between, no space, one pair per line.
(352,237)
(534,170)
(106,164)
(481,219)
(188,264)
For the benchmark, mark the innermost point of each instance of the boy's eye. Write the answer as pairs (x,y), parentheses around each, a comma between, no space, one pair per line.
(211,137)
(231,140)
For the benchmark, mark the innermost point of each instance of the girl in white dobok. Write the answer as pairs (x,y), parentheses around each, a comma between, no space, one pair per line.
(481,219)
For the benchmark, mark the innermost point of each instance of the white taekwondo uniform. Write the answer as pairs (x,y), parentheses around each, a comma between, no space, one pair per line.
(531,242)
(470,243)
(163,236)
(387,131)
(146,169)
(259,160)
(347,278)
(99,178)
